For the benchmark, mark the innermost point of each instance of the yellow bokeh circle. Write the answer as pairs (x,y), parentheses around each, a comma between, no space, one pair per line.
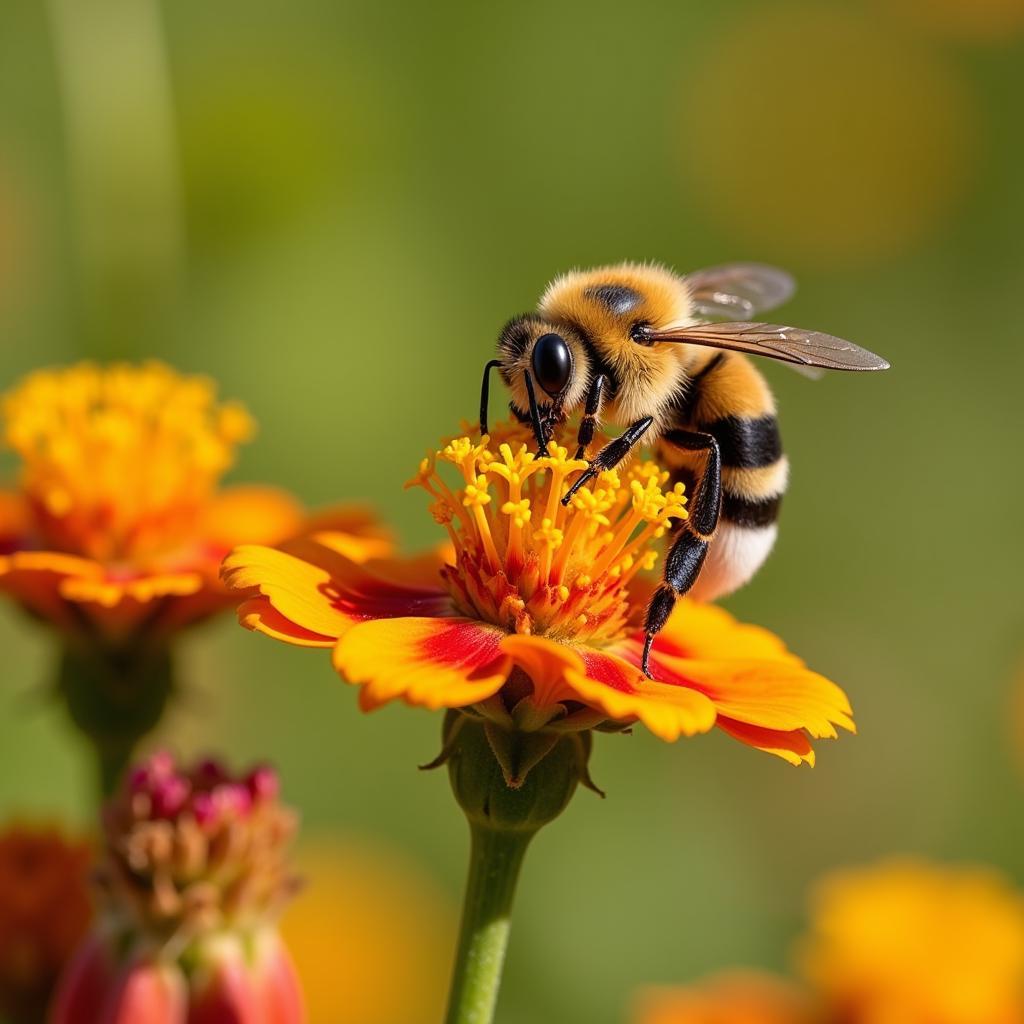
(814,134)
(371,933)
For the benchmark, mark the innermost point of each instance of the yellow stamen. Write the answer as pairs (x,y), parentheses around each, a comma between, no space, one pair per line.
(530,565)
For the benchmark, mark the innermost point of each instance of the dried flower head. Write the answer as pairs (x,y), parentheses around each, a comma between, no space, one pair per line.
(194,874)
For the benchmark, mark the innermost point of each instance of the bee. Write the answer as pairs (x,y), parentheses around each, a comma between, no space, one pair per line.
(644,349)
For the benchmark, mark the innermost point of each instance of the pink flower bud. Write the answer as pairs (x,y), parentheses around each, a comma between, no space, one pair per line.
(194,875)
(235,983)
(246,985)
(96,989)
(148,992)
(85,983)
(209,772)
(263,783)
(169,796)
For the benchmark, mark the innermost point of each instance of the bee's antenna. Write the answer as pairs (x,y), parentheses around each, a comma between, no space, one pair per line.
(538,430)
(485,391)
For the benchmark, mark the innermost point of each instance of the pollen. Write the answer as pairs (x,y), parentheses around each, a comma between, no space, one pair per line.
(531,565)
(118,461)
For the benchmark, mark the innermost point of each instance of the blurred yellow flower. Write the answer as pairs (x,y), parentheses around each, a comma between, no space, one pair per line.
(734,997)
(365,912)
(906,942)
(117,524)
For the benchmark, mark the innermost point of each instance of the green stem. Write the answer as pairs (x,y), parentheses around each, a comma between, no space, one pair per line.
(112,760)
(115,697)
(494,863)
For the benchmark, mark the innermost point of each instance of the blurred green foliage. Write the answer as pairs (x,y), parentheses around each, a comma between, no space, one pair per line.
(368,191)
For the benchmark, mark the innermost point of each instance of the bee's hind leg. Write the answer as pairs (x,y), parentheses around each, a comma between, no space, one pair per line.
(689,548)
(610,455)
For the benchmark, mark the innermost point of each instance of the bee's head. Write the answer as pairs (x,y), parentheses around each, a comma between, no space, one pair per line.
(554,356)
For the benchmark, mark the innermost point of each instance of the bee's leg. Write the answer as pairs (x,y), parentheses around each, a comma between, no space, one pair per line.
(535,419)
(590,412)
(485,391)
(689,548)
(610,455)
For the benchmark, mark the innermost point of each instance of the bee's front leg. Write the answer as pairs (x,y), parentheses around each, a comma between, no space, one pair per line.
(539,431)
(590,413)
(610,455)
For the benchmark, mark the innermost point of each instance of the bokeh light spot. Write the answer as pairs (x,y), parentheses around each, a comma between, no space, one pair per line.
(813,135)
(973,21)
(371,934)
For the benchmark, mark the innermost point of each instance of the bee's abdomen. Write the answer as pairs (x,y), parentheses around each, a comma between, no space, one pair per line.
(754,469)
(732,402)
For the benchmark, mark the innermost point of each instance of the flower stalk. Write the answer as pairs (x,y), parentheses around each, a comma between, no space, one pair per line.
(495,860)
(115,697)
(504,815)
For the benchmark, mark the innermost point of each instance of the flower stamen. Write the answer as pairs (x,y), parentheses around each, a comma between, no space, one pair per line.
(527,563)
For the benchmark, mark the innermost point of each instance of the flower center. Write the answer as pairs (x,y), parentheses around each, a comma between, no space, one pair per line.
(525,562)
(118,461)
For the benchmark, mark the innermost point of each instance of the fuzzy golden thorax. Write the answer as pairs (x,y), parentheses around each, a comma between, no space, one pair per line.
(597,313)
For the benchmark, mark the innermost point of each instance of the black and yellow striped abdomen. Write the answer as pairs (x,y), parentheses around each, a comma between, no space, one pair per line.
(729,399)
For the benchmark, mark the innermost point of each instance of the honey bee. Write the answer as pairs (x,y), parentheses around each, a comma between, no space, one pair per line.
(637,347)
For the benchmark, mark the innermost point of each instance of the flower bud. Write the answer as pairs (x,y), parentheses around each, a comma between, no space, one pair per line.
(194,875)
(509,779)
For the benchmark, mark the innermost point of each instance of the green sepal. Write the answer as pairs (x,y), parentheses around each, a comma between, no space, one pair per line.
(506,779)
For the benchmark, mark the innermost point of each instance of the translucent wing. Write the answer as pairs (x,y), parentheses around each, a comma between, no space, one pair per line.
(787,344)
(738,290)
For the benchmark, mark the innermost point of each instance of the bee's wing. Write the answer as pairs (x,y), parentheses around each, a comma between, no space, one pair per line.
(787,344)
(738,290)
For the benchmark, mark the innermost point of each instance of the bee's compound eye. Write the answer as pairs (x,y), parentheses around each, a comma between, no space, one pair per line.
(552,363)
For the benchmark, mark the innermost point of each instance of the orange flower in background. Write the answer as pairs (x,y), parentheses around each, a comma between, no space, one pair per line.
(900,942)
(117,529)
(914,943)
(117,526)
(533,618)
(372,907)
(45,909)
(736,997)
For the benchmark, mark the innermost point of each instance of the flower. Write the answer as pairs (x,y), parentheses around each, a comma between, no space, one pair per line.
(117,526)
(373,908)
(917,943)
(117,530)
(194,875)
(735,997)
(45,908)
(532,618)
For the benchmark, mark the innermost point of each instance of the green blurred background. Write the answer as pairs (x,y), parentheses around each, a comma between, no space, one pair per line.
(332,206)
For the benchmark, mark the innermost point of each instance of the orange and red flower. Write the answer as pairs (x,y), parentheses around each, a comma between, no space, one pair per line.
(734,997)
(45,910)
(117,524)
(533,616)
